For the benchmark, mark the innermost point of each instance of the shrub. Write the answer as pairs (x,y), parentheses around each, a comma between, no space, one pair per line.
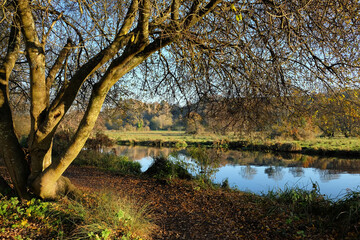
(162,168)
(207,162)
(290,147)
(99,142)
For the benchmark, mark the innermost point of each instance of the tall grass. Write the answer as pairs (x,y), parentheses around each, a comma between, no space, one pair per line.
(343,214)
(107,161)
(106,215)
(96,216)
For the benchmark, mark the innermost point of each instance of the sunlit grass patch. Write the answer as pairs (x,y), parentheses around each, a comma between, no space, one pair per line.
(162,135)
(106,215)
(108,161)
(95,216)
(311,206)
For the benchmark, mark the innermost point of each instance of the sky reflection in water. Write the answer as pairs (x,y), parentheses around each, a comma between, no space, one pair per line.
(258,179)
(260,172)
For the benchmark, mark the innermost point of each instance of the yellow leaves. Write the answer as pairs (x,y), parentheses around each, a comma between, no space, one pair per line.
(24,222)
(239,17)
(132,38)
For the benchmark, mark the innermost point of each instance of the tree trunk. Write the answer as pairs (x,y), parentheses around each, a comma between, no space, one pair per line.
(11,150)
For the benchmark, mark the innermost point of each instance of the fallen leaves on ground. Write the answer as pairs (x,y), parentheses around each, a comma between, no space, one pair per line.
(182,210)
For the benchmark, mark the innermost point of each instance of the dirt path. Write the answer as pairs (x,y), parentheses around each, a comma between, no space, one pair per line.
(183,211)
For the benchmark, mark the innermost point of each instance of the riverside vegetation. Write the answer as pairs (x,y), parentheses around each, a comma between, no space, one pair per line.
(334,146)
(291,213)
(138,202)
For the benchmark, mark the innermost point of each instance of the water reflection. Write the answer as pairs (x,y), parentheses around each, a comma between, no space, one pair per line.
(257,171)
(296,171)
(248,172)
(274,172)
(327,175)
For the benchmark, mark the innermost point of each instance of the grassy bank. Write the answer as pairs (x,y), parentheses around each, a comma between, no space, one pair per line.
(339,146)
(166,136)
(167,203)
(181,209)
(93,216)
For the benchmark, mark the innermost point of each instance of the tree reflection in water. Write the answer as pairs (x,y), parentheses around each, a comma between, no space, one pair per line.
(257,171)
(297,171)
(248,172)
(274,172)
(328,175)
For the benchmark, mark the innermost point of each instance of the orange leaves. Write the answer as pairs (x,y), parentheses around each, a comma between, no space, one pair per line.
(183,211)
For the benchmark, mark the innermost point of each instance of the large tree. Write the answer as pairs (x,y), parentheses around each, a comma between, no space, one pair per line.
(254,49)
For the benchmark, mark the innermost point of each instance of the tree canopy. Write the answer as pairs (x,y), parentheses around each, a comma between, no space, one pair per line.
(56,52)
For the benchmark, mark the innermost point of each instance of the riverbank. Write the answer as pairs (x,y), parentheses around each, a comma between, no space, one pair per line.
(183,209)
(331,147)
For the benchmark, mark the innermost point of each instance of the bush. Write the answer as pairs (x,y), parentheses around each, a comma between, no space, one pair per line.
(180,144)
(99,142)
(164,168)
(290,147)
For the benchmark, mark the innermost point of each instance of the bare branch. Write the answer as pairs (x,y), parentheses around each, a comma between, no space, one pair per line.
(57,66)
(50,29)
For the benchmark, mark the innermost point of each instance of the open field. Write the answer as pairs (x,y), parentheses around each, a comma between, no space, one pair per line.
(332,146)
(166,136)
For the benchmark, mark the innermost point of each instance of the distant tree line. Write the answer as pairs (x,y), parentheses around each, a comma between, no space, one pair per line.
(327,114)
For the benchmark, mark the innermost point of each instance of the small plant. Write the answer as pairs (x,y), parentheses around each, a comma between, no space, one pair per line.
(180,144)
(33,217)
(225,184)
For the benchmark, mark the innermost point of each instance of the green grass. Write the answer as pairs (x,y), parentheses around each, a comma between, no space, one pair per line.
(165,136)
(108,161)
(313,207)
(333,144)
(95,216)
(325,144)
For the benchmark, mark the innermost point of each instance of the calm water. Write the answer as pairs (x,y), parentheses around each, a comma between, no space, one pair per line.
(260,172)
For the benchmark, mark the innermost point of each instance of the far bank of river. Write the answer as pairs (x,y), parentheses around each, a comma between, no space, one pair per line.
(281,147)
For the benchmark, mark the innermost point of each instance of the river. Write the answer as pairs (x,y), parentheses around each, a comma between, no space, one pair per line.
(259,172)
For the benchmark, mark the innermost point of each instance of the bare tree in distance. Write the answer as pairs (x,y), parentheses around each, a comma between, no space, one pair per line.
(60,51)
